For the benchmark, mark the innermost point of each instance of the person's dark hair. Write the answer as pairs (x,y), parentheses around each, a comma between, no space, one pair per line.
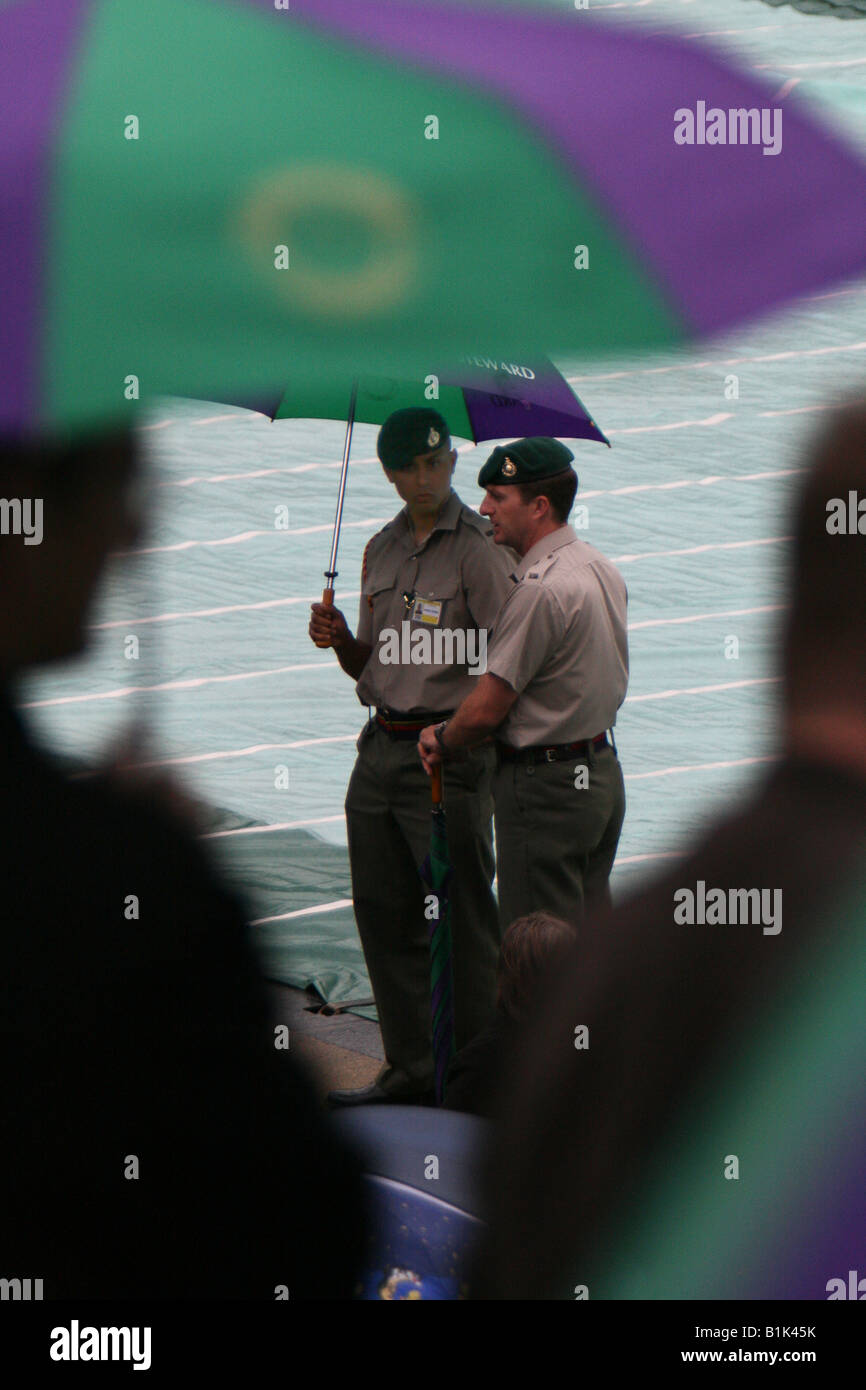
(825,634)
(559,490)
(528,950)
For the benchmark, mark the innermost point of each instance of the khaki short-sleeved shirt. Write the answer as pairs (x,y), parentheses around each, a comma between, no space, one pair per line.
(426,610)
(560,641)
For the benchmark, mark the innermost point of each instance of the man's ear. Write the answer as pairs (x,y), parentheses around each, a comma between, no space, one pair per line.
(453,460)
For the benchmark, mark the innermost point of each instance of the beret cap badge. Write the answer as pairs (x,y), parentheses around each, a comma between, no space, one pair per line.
(433,438)
(526,461)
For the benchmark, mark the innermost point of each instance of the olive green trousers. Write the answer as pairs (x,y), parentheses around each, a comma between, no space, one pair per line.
(557,831)
(388,817)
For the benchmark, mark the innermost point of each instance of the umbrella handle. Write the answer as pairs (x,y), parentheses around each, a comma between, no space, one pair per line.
(436,786)
(327,602)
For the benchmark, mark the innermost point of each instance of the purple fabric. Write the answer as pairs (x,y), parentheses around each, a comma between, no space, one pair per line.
(827,1235)
(507,405)
(725,231)
(492,419)
(36,45)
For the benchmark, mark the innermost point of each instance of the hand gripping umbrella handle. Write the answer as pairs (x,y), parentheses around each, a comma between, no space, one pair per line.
(327,602)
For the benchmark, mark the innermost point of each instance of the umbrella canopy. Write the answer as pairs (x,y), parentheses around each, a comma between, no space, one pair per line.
(191,191)
(483,398)
(796,1087)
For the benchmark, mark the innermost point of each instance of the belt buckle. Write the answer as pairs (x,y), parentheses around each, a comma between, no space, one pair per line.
(550,755)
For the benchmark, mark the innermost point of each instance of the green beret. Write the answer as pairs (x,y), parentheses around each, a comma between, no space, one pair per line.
(525,461)
(416,430)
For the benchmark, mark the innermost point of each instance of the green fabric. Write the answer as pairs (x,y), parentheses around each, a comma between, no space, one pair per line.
(319,950)
(163,247)
(436,873)
(377,397)
(798,1074)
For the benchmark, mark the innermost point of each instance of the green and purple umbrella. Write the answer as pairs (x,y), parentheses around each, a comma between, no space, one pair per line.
(483,397)
(791,1229)
(486,396)
(191,192)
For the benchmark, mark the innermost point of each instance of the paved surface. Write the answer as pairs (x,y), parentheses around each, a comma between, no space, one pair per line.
(341,1051)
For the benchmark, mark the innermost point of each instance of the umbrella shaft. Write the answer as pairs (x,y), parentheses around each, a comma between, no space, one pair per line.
(331,571)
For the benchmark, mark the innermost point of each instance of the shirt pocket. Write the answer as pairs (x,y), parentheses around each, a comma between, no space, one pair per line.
(380,591)
(440,604)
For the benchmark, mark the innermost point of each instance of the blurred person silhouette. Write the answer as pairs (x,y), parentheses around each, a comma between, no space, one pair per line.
(530,946)
(704,1136)
(153,1141)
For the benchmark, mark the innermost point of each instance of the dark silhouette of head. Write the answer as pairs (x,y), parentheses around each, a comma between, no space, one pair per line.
(82,489)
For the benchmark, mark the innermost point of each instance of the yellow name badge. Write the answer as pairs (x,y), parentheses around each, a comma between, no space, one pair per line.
(427,610)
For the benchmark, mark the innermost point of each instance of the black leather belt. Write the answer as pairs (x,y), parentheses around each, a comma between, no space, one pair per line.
(557,753)
(398,725)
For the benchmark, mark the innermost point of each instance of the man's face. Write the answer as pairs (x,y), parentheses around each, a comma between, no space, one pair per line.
(512,518)
(426,483)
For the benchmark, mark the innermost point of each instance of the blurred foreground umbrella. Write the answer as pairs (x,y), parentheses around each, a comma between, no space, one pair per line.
(436,873)
(191,191)
(794,1092)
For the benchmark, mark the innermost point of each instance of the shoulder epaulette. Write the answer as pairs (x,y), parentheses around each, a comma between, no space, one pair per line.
(540,568)
(367,548)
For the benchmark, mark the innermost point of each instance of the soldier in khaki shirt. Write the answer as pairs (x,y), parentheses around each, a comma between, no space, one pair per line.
(432,583)
(557,672)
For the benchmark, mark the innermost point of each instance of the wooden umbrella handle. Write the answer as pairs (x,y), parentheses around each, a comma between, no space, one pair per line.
(436,785)
(327,602)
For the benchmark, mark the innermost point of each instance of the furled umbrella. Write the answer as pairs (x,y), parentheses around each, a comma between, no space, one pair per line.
(436,872)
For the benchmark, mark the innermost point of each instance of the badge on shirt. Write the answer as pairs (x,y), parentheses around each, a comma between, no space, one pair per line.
(427,610)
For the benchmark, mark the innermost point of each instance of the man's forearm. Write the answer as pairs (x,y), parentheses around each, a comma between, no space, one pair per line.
(480,714)
(467,727)
(474,721)
(353,656)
